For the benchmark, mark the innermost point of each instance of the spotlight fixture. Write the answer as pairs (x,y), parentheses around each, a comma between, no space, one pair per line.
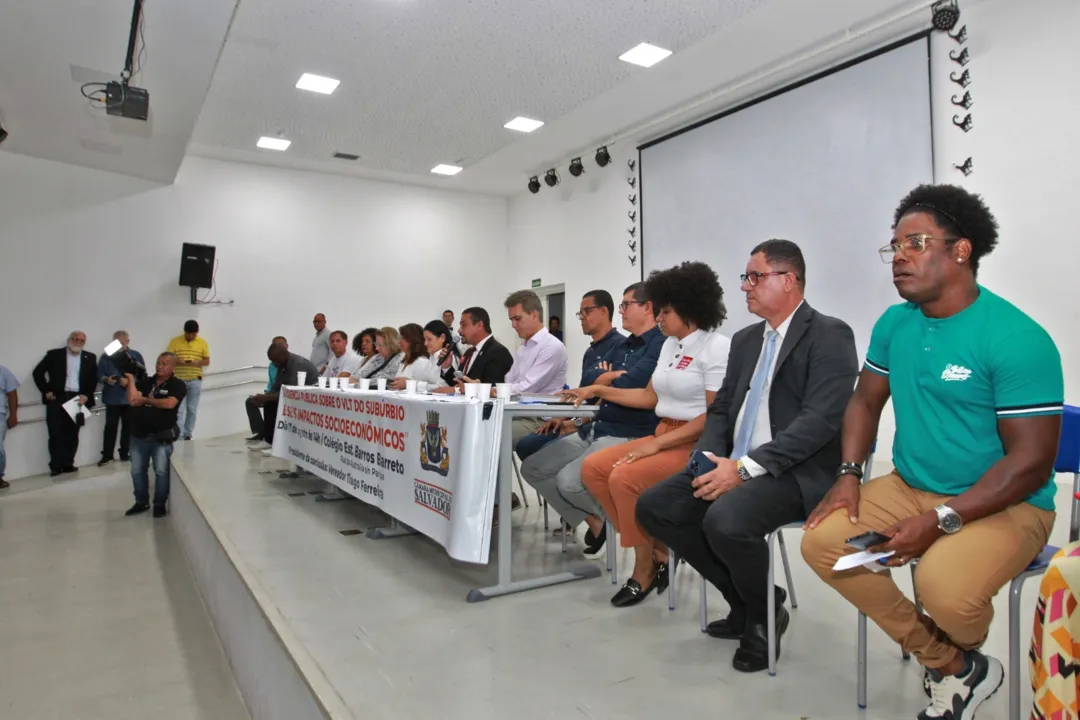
(534,184)
(603,157)
(576,168)
(945,15)
(551,178)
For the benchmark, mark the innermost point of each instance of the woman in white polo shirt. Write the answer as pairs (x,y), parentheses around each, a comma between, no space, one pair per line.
(689,372)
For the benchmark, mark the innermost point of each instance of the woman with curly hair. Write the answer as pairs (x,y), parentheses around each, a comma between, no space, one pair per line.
(363,344)
(690,370)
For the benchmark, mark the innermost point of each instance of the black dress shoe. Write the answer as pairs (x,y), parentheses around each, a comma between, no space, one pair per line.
(54,473)
(631,594)
(137,509)
(733,626)
(104,461)
(160,511)
(71,469)
(753,652)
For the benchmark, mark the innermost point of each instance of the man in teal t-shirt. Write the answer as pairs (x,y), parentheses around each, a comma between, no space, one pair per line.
(977,394)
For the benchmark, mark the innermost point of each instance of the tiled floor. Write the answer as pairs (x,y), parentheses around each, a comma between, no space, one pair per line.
(387,622)
(99,615)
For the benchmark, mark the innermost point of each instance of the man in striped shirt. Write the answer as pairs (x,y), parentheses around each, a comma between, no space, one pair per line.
(977,394)
(193,354)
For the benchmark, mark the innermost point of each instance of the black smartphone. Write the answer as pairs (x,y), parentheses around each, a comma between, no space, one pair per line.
(699,464)
(867,540)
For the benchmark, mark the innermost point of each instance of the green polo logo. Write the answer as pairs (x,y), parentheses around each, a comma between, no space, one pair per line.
(955,373)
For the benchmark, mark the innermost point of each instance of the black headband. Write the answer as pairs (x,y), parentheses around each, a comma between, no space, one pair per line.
(947,216)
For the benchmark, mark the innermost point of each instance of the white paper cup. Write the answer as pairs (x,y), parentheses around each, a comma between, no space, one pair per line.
(502,391)
(410,387)
(365,384)
(344,383)
(301,378)
(380,384)
(322,382)
(471,389)
(333,383)
(421,386)
(483,391)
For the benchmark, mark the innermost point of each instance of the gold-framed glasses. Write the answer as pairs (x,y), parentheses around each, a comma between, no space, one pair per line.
(910,245)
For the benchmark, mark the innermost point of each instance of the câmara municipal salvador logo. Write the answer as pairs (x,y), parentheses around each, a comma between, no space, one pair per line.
(434,453)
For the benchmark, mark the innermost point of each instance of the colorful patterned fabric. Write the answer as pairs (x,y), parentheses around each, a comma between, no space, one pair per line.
(1055,643)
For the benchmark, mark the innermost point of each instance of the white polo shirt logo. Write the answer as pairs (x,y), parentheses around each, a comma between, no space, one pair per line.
(955,373)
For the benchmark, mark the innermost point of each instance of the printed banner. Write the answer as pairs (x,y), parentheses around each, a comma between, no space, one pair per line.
(430,463)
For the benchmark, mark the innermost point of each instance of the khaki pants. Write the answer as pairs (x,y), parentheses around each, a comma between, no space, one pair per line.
(956,579)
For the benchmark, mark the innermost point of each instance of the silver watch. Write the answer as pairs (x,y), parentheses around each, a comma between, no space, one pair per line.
(948,520)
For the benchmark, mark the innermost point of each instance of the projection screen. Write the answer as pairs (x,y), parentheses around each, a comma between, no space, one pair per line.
(823,164)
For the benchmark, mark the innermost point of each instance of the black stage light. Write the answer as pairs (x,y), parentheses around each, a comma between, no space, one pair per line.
(534,184)
(551,178)
(576,168)
(603,157)
(945,15)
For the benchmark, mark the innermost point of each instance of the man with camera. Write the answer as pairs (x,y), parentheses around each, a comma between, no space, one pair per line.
(114,395)
(155,403)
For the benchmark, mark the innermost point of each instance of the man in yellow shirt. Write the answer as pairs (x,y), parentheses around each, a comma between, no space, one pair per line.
(193,354)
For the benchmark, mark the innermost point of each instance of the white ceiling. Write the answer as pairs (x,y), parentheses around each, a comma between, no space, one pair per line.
(48,48)
(423,82)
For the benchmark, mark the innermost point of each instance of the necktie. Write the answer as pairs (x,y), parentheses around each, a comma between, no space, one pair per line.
(468,361)
(753,397)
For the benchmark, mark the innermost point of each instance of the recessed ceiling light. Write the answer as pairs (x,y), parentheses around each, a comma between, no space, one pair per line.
(523,124)
(272,143)
(446,169)
(317,83)
(645,55)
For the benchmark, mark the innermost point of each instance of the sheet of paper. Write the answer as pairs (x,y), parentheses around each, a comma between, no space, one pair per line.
(72,408)
(863,557)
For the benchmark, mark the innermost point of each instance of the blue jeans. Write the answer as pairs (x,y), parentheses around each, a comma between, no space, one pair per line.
(186,417)
(533,443)
(3,456)
(143,449)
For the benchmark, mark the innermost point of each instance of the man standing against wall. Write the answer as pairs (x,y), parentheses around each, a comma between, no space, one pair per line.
(193,354)
(320,346)
(65,373)
(114,395)
(9,413)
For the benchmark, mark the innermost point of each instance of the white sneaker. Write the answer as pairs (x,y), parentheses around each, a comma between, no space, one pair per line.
(955,698)
(267,451)
(257,446)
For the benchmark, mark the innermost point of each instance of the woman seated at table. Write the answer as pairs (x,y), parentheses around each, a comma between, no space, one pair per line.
(440,345)
(386,363)
(363,344)
(688,373)
(416,365)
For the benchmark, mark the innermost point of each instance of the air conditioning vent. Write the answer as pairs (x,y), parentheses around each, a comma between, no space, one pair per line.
(346,156)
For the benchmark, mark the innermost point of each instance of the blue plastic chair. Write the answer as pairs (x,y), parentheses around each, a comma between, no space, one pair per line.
(1068,461)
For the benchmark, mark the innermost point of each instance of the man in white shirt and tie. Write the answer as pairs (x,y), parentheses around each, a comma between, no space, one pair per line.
(772,445)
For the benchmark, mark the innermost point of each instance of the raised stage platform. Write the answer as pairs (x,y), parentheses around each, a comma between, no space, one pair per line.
(319,621)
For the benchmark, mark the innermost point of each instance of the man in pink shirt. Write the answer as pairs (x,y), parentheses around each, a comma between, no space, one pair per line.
(540,363)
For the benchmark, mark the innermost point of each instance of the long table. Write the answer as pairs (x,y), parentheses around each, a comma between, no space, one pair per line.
(433,463)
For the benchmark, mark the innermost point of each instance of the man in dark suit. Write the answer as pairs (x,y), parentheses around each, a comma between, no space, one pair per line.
(488,360)
(773,433)
(65,373)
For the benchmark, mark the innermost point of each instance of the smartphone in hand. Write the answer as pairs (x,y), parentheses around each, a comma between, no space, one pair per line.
(867,540)
(700,463)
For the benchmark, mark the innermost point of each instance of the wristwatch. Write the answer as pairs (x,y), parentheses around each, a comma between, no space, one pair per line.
(744,474)
(948,520)
(578,422)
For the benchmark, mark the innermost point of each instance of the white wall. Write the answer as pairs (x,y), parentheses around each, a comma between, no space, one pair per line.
(1025,67)
(575,234)
(96,251)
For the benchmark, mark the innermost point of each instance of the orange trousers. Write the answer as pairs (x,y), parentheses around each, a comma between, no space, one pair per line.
(617,489)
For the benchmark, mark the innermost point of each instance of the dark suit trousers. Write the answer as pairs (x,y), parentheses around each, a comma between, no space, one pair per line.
(63,434)
(270,415)
(255,418)
(724,540)
(116,416)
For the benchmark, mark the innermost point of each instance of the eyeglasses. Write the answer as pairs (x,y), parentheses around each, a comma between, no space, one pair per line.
(627,303)
(752,278)
(585,311)
(911,245)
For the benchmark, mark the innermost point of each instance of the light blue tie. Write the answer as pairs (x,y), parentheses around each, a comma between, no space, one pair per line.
(753,397)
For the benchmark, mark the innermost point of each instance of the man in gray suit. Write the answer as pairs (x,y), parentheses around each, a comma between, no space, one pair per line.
(769,450)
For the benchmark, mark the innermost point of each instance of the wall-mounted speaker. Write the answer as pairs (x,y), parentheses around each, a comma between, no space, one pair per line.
(197,266)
